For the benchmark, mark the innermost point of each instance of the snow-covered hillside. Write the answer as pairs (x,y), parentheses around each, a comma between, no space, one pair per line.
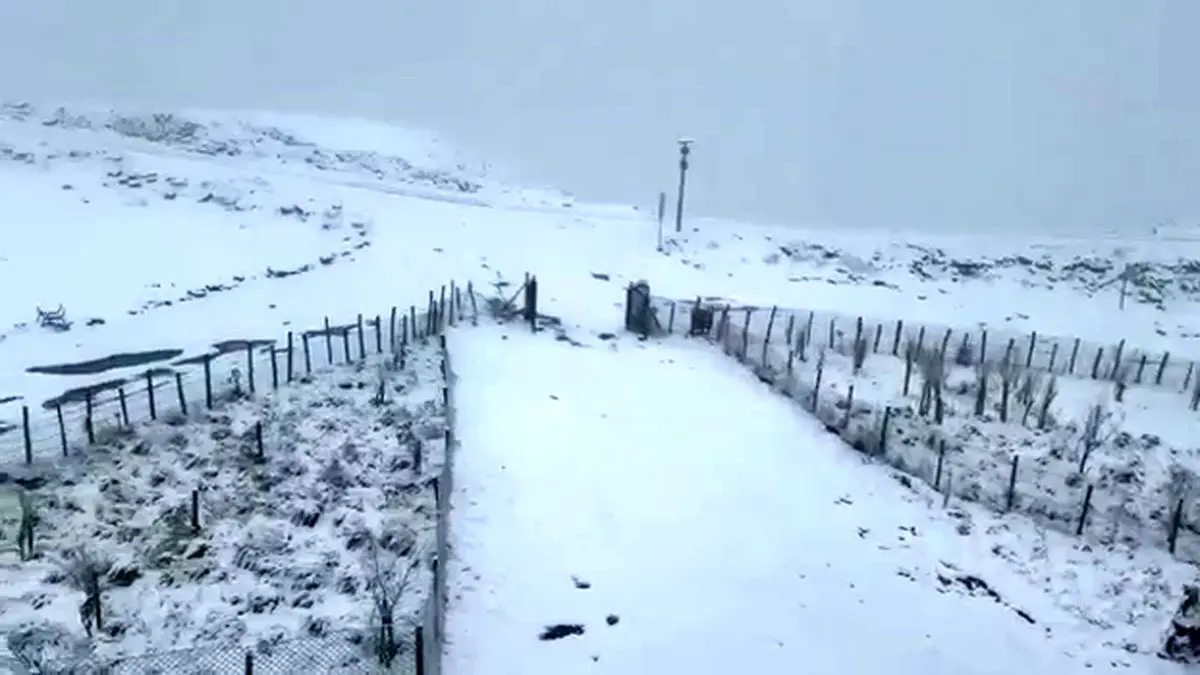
(163,236)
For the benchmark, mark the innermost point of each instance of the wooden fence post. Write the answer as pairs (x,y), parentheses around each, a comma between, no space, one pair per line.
(1083,514)
(274,366)
(1032,346)
(291,355)
(346,344)
(392,330)
(150,395)
(1012,483)
(62,428)
(179,393)
(1162,366)
(124,407)
(378,334)
(307,353)
(250,366)
(28,437)
(362,340)
(89,420)
(328,342)
(1074,355)
(896,338)
(208,391)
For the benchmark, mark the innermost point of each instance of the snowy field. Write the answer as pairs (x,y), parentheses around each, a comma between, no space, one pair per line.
(603,497)
(171,233)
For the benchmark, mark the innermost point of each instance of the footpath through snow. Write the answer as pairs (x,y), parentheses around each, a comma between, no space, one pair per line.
(691,521)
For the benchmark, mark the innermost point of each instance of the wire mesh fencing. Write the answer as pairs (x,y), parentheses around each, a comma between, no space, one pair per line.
(348,652)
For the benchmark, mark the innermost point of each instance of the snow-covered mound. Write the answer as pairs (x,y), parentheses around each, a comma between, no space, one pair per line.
(261,521)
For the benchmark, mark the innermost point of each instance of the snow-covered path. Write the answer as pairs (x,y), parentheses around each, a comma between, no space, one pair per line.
(725,530)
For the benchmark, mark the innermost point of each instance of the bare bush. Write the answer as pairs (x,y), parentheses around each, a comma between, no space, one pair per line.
(391,560)
(1049,394)
(1009,373)
(85,571)
(983,375)
(1097,429)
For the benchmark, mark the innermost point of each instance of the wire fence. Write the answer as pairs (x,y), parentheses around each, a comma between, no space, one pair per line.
(1060,355)
(1102,502)
(238,370)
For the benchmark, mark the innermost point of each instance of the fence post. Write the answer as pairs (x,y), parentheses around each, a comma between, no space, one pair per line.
(62,428)
(671,320)
(28,438)
(1029,353)
(1096,363)
(770,327)
(307,353)
(441,310)
(179,393)
(291,351)
(419,650)
(124,406)
(1137,379)
(883,429)
(274,366)
(249,662)
(746,334)
(378,334)
(1083,514)
(412,321)
(937,472)
(1053,356)
(531,302)
(1176,520)
(208,392)
(392,330)
(346,344)
(1074,354)
(983,346)
(1117,359)
(362,340)
(88,421)
(250,366)
(431,313)
(195,511)
(150,394)
(1162,366)
(328,341)
(474,307)
(1012,483)
(878,336)
(896,338)
(832,330)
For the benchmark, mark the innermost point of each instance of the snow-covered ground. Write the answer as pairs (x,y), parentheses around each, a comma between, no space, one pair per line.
(708,494)
(267,519)
(728,531)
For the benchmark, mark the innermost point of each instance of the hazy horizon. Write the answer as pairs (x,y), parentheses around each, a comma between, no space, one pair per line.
(1055,114)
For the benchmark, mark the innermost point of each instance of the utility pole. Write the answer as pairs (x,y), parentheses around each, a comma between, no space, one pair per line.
(684,149)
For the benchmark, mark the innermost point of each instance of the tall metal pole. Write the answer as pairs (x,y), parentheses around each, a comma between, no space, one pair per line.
(684,149)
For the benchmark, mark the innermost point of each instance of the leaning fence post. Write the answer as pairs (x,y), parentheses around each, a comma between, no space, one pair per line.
(291,351)
(1074,355)
(183,410)
(1032,346)
(1083,514)
(767,340)
(62,427)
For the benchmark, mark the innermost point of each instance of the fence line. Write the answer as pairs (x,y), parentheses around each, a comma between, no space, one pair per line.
(1069,356)
(344,652)
(908,440)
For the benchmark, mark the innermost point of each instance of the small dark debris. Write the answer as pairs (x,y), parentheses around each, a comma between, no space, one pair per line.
(560,631)
(579,583)
(612,619)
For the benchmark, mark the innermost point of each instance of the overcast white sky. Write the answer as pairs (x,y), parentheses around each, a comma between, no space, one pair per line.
(946,113)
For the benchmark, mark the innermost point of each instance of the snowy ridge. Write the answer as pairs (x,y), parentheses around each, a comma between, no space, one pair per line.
(1137,477)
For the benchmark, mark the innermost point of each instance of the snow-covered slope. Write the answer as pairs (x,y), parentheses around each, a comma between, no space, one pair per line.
(179,231)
